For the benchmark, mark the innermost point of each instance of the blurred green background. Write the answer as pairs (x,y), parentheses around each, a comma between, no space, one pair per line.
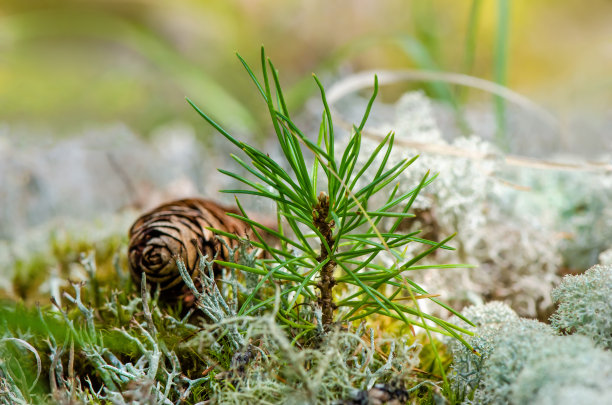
(72,63)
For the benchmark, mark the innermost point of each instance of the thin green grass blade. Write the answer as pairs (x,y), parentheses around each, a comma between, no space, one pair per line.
(500,69)
(422,58)
(471,37)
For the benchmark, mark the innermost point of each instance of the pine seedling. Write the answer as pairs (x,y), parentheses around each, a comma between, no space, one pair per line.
(327,262)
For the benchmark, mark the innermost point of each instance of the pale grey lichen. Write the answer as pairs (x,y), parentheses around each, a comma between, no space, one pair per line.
(605,257)
(466,368)
(585,305)
(210,300)
(492,313)
(341,366)
(565,370)
(154,377)
(511,347)
(573,203)
(524,361)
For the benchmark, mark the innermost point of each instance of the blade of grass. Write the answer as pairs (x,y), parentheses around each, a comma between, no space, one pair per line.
(500,69)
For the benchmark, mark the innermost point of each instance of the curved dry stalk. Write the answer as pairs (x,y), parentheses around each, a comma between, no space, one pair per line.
(363,80)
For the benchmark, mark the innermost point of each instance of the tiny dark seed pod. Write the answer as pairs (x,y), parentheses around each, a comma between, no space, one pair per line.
(178,228)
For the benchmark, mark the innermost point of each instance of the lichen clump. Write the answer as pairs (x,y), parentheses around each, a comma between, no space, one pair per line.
(524,361)
(585,305)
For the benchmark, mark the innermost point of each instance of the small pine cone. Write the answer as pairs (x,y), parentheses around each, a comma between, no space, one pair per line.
(178,228)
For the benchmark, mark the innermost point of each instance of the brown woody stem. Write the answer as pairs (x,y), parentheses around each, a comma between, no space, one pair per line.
(327,282)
